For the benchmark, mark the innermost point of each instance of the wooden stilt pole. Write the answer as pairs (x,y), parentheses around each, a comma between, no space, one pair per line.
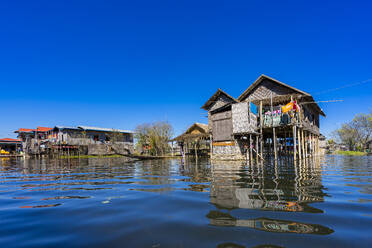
(306,140)
(210,145)
(317,145)
(294,143)
(299,143)
(184,150)
(196,151)
(256,149)
(250,149)
(261,134)
(314,148)
(303,143)
(274,143)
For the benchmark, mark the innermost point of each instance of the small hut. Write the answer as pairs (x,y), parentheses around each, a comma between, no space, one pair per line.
(195,141)
(10,145)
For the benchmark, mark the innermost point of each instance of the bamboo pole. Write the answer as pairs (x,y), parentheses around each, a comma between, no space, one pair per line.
(294,143)
(317,145)
(274,143)
(299,143)
(210,145)
(261,134)
(303,143)
(196,151)
(256,148)
(250,149)
(306,140)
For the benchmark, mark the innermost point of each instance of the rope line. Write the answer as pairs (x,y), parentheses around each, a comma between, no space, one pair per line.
(343,87)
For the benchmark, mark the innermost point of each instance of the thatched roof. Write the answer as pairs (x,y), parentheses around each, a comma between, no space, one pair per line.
(215,96)
(300,93)
(262,78)
(189,135)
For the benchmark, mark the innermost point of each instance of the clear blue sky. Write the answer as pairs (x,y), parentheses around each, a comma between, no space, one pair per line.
(121,63)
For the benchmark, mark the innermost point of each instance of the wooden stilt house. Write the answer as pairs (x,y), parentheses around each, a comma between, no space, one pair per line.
(195,141)
(269,118)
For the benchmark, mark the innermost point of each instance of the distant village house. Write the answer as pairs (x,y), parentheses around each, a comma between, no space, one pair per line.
(80,139)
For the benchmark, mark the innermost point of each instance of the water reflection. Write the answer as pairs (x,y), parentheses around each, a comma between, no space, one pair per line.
(283,187)
(274,187)
(184,203)
(218,218)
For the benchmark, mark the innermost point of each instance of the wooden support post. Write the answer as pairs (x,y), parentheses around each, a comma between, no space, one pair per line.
(299,143)
(250,149)
(317,145)
(274,143)
(196,150)
(306,140)
(314,151)
(294,143)
(256,149)
(210,145)
(303,143)
(261,134)
(184,149)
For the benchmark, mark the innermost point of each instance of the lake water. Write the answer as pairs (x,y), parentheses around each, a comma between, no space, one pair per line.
(113,202)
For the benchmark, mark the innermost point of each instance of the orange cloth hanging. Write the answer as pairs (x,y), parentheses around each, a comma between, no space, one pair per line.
(287,107)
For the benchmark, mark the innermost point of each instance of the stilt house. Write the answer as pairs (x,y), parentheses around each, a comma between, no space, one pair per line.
(196,140)
(269,118)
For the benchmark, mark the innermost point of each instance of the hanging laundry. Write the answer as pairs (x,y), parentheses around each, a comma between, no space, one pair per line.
(276,120)
(287,107)
(285,119)
(295,106)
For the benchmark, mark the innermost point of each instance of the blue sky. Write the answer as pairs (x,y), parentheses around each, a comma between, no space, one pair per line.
(121,63)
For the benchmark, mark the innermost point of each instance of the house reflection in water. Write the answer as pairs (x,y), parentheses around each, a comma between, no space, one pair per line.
(277,187)
(282,187)
(218,218)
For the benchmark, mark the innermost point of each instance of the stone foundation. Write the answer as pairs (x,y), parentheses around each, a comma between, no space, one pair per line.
(228,152)
(110,149)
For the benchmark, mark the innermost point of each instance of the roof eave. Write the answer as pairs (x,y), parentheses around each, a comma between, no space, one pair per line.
(260,79)
(217,93)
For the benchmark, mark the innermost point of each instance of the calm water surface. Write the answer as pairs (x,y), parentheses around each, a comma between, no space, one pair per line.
(112,202)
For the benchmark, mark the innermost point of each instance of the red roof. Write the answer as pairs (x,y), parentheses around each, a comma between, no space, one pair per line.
(43,129)
(10,140)
(38,129)
(25,130)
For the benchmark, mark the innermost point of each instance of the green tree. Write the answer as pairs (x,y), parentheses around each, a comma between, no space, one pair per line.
(331,142)
(356,133)
(155,135)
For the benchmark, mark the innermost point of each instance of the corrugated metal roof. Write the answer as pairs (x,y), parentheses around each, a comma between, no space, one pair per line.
(102,129)
(67,127)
